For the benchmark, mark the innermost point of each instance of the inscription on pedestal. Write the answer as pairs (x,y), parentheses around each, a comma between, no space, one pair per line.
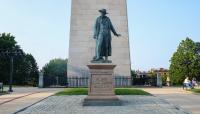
(101,83)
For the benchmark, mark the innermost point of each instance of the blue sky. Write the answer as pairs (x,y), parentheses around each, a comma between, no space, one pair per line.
(156,27)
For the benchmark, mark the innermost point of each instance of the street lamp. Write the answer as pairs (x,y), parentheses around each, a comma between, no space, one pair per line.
(11,54)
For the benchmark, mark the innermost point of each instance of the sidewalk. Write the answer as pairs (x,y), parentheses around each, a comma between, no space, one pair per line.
(23,97)
(179,97)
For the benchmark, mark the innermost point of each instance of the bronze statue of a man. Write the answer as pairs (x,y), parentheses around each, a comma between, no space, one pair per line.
(102,34)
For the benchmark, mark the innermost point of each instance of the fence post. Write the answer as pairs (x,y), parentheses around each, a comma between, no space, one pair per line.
(41,80)
(159,80)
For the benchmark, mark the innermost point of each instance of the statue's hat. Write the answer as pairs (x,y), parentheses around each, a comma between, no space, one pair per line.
(103,11)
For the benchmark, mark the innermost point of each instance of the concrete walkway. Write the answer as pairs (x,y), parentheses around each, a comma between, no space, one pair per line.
(23,97)
(179,97)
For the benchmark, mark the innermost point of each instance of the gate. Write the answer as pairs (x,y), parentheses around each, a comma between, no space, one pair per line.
(145,81)
(55,81)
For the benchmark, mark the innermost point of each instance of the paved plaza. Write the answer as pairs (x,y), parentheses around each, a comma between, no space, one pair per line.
(179,97)
(23,97)
(131,105)
(167,100)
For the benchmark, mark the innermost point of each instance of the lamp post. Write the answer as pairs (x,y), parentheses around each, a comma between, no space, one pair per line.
(11,54)
(11,74)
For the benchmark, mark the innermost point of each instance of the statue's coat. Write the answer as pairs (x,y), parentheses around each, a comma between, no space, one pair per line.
(102,34)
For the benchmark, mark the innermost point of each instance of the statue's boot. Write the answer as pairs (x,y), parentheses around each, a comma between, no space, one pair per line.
(99,59)
(95,57)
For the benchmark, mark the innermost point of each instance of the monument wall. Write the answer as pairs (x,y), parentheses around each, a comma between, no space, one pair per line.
(82,44)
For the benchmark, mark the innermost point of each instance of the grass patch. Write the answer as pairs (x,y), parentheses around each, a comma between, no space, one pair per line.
(195,90)
(130,91)
(73,91)
(118,91)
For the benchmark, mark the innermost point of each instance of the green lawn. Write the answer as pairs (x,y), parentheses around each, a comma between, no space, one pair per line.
(195,90)
(73,91)
(118,91)
(130,91)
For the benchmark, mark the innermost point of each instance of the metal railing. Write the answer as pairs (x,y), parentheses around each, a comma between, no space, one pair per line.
(120,81)
(83,81)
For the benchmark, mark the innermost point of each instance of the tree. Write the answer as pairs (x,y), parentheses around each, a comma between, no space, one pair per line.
(25,67)
(7,42)
(185,61)
(164,79)
(27,72)
(33,71)
(133,74)
(55,67)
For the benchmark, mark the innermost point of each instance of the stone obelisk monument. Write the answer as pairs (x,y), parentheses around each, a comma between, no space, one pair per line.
(82,44)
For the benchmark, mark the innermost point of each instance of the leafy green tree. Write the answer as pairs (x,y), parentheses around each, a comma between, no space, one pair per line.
(26,72)
(185,61)
(33,70)
(133,74)
(7,41)
(164,79)
(25,68)
(55,67)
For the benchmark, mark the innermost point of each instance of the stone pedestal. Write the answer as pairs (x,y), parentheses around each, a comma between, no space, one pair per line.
(101,86)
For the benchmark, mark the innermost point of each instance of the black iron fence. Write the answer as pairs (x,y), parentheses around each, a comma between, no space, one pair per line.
(81,81)
(78,81)
(123,81)
(84,81)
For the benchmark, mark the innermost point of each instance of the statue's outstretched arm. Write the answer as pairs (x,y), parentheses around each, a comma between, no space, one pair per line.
(113,30)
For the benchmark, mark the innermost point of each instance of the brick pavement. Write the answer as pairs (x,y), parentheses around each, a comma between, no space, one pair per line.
(23,97)
(131,105)
(179,97)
